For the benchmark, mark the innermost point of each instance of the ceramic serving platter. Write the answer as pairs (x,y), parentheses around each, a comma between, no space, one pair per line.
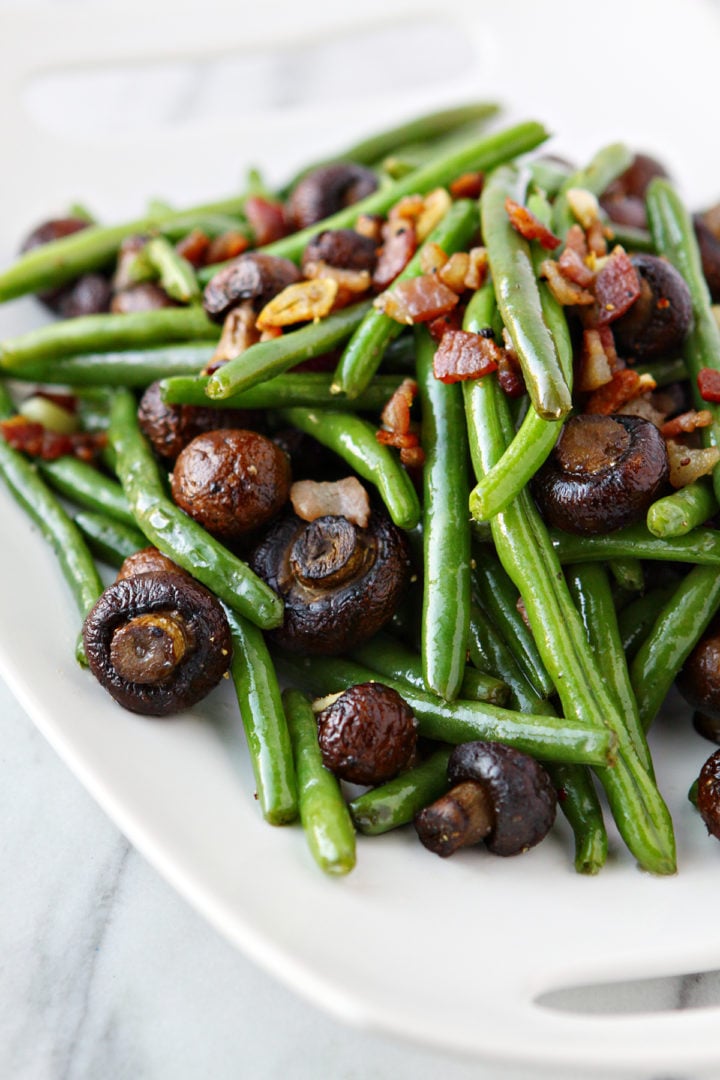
(451,953)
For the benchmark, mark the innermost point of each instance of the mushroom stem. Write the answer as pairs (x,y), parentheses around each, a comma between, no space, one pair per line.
(148,648)
(462,817)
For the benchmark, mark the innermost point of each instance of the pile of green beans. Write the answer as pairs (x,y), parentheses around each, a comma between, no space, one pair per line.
(556,644)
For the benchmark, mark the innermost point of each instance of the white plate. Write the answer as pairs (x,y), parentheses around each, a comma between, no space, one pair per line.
(453,953)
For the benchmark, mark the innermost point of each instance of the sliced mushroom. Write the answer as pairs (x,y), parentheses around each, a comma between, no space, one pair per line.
(657,323)
(254,276)
(158,642)
(328,189)
(340,583)
(699,683)
(603,473)
(368,734)
(231,481)
(499,795)
(171,427)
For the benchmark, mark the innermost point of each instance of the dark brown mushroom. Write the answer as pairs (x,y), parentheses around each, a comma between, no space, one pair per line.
(253,276)
(708,794)
(368,734)
(498,794)
(340,583)
(88,294)
(147,560)
(231,481)
(328,189)
(624,200)
(157,642)
(708,238)
(699,683)
(603,474)
(171,427)
(658,321)
(342,248)
(145,296)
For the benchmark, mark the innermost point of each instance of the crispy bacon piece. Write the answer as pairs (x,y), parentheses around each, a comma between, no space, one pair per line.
(344,498)
(227,246)
(686,422)
(432,258)
(596,241)
(36,440)
(688,464)
(565,292)
(708,381)
(370,225)
(463,355)
(418,299)
(623,386)
(575,269)
(617,287)
(396,413)
(529,227)
(399,246)
(455,271)
(194,247)
(575,240)
(468,186)
(398,439)
(451,321)
(509,374)
(412,457)
(266,219)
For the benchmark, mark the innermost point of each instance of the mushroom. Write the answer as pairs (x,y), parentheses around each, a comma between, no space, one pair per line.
(624,200)
(658,321)
(343,248)
(144,296)
(231,481)
(368,734)
(707,231)
(603,474)
(340,583)
(158,642)
(498,794)
(171,427)
(699,683)
(254,276)
(328,189)
(145,561)
(708,794)
(88,294)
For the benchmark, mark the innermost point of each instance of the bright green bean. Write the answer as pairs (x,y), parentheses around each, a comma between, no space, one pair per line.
(111,540)
(176,274)
(306,388)
(664,372)
(636,620)
(628,573)
(609,163)
(87,486)
(397,802)
(702,546)
(132,367)
(681,512)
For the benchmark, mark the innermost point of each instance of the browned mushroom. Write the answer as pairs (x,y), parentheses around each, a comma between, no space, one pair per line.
(343,248)
(658,321)
(498,794)
(145,296)
(624,199)
(368,734)
(708,794)
(146,561)
(699,683)
(328,189)
(88,294)
(707,231)
(603,473)
(171,427)
(340,583)
(158,642)
(231,481)
(254,276)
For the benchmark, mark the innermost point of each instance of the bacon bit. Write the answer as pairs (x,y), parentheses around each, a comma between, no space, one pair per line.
(412,457)
(462,356)
(370,225)
(529,227)
(300,302)
(686,422)
(266,219)
(510,376)
(443,323)
(708,381)
(194,247)
(608,344)
(575,241)
(418,299)
(617,287)
(575,269)
(36,440)
(407,209)
(688,464)
(344,498)
(351,283)
(396,413)
(227,246)
(478,268)
(432,258)
(239,332)
(468,186)
(565,292)
(584,206)
(455,271)
(623,386)
(594,368)
(596,239)
(398,439)
(398,249)
(435,206)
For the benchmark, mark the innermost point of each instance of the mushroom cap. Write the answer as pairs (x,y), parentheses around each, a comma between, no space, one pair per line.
(521,792)
(657,323)
(171,427)
(342,247)
(254,276)
(708,800)
(328,189)
(699,682)
(368,734)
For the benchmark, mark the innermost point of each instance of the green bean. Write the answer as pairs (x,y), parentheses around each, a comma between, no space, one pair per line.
(364,352)
(264,722)
(101,333)
(176,534)
(461,721)
(354,441)
(397,802)
(389,657)
(628,573)
(536,437)
(323,811)
(446,528)
(676,631)
(111,540)
(631,238)
(702,546)
(132,368)
(528,557)
(518,296)
(609,163)
(477,154)
(664,372)
(547,175)
(90,249)
(636,620)
(681,512)
(672,230)
(87,486)
(269,358)
(176,274)
(590,589)
(306,388)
